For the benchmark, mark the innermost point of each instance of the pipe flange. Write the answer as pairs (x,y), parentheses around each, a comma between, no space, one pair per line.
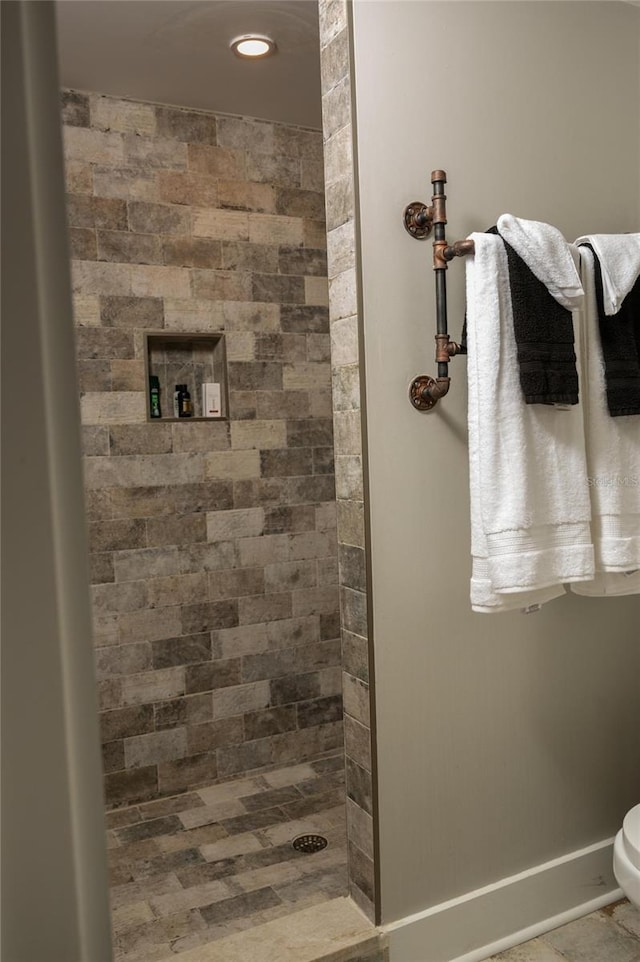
(419,393)
(418,219)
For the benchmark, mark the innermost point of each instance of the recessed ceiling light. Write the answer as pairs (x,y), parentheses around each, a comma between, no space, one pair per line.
(253,46)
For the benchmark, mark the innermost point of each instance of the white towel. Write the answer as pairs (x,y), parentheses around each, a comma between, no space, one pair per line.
(613,464)
(530,525)
(546,253)
(619,256)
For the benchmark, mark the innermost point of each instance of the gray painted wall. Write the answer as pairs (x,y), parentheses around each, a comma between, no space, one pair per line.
(503,741)
(54,894)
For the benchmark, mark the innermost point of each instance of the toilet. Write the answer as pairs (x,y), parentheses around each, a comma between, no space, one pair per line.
(626,856)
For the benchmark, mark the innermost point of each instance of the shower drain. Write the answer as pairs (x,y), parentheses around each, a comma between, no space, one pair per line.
(309,843)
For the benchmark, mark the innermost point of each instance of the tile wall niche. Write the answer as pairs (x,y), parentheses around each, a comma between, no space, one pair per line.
(347,415)
(213,544)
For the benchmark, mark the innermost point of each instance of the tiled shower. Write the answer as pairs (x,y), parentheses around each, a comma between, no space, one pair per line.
(213,542)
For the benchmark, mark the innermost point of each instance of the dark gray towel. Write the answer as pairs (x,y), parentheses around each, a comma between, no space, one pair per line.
(543,331)
(620,340)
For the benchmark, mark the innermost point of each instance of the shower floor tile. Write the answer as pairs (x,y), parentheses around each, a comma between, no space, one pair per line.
(198,867)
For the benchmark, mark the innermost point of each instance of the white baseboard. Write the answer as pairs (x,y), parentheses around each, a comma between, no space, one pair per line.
(494,918)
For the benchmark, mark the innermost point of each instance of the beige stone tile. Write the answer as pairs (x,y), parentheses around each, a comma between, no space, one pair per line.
(191,838)
(125,116)
(310,544)
(336,107)
(78,177)
(289,776)
(270,875)
(242,132)
(258,434)
(344,341)
(314,234)
(264,550)
(221,224)
(150,281)
(338,155)
(262,317)
(351,522)
(233,465)
(320,404)
(357,738)
(348,433)
(93,146)
(223,162)
(340,202)
(127,183)
(243,195)
(182,187)
(356,698)
(152,624)
(240,523)
(333,19)
(240,699)
(235,845)
(312,174)
(241,346)
(154,747)
(192,898)
(316,291)
(154,152)
(315,601)
(113,407)
(150,953)
(137,563)
(275,229)
(342,295)
(210,813)
(234,642)
(167,469)
(96,277)
(349,482)
(192,315)
(177,590)
(86,310)
(127,375)
(126,916)
(310,376)
(228,791)
(153,686)
(341,247)
(221,285)
(125,895)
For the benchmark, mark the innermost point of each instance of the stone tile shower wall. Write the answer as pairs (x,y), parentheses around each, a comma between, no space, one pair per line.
(347,415)
(213,544)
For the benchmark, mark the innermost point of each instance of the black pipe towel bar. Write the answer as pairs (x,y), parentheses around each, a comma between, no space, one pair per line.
(420,220)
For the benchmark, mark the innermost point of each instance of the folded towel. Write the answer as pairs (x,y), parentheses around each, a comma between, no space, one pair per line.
(546,253)
(530,527)
(484,598)
(613,463)
(620,340)
(619,256)
(545,287)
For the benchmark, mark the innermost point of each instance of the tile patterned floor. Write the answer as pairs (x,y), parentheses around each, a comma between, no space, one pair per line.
(610,935)
(198,867)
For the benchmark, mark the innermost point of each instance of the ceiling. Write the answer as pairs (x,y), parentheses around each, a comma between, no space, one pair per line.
(177,52)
